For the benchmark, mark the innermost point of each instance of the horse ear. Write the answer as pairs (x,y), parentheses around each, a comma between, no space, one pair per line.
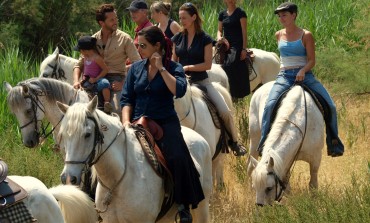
(92,104)
(7,86)
(252,163)
(25,90)
(56,51)
(62,107)
(270,165)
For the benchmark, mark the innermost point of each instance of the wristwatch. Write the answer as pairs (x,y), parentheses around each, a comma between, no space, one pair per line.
(162,69)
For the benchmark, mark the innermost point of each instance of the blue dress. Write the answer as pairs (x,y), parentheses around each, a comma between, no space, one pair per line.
(154,100)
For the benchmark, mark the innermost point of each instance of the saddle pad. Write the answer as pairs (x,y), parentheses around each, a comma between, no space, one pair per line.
(10,193)
(17,213)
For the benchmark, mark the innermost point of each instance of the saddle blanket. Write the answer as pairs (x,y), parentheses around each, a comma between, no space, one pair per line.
(17,213)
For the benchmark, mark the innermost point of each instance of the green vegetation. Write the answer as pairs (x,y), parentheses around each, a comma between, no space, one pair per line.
(341,30)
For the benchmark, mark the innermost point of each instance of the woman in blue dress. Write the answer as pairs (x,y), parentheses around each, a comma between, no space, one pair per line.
(149,89)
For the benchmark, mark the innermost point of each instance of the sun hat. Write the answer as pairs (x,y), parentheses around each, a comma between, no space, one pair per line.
(85,43)
(136,5)
(286,6)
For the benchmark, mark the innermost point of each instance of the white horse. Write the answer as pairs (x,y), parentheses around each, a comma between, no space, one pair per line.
(193,113)
(266,67)
(296,134)
(60,67)
(60,204)
(34,99)
(129,190)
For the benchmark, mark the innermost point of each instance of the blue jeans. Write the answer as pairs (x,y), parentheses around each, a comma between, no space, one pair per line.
(284,81)
(99,86)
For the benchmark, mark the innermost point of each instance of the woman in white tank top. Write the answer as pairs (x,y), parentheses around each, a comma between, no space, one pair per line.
(297,53)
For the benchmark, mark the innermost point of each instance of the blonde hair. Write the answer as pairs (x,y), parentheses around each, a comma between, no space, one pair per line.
(159,6)
(193,10)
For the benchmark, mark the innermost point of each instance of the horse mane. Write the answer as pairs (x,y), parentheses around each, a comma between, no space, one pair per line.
(78,114)
(53,89)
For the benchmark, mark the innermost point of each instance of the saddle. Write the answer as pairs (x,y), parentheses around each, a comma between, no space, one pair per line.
(146,131)
(10,192)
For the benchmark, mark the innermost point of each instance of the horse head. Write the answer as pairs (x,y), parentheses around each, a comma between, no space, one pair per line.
(80,126)
(24,103)
(50,65)
(267,184)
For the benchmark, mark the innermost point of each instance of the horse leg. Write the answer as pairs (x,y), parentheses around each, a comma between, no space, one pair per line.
(314,169)
(201,213)
(218,171)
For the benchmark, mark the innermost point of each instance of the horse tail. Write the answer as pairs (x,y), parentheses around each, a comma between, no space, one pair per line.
(75,205)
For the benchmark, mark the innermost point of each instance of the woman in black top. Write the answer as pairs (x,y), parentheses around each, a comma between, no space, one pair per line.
(193,49)
(232,25)
(160,12)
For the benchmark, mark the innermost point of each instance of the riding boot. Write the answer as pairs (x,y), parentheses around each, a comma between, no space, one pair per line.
(334,145)
(184,214)
(238,149)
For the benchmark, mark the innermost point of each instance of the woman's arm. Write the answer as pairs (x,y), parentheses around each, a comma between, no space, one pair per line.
(126,115)
(309,44)
(206,65)
(174,56)
(243,23)
(219,31)
(175,27)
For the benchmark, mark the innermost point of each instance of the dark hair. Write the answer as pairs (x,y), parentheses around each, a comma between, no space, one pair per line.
(154,35)
(193,10)
(287,7)
(100,12)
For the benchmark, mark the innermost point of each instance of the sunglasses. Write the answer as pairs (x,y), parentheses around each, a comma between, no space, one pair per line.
(188,4)
(142,46)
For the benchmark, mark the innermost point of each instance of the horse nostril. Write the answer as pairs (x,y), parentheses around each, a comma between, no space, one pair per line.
(259,205)
(74,180)
(63,178)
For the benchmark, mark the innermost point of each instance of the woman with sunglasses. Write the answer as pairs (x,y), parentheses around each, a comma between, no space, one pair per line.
(193,49)
(149,89)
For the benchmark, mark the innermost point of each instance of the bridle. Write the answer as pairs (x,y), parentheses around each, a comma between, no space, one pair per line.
(57,73)
(278,182)
(34,95)
(94,156)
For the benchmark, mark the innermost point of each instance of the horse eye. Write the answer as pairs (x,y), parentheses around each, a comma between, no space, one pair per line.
(268,189)
(87,135)
(29,111)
